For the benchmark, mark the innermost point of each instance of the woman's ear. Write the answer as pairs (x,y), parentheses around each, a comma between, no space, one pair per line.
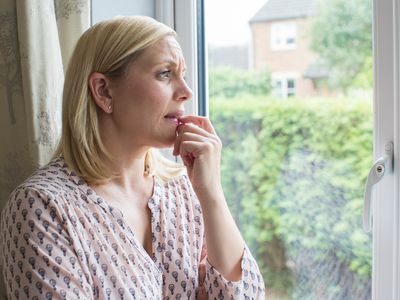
(99,87)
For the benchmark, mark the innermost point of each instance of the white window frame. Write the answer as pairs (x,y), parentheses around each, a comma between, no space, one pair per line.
(283,31)
(277,87)
(283,91)
(396,198)
(386,262)
(386,209)
(284,77)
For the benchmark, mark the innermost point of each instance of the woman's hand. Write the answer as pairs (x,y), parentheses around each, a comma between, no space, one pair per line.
(200,149)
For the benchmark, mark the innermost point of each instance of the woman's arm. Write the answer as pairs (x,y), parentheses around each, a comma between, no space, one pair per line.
(200,149)
(214,285)
(225,244)
(228,259)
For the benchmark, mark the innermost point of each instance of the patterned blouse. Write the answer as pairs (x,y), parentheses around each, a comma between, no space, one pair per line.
(60,240)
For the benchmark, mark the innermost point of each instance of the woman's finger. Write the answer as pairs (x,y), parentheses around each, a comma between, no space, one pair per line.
(193,148)
(179,131)
(203,122)
(187,136)
(190,128)
(177,143)
(193,128)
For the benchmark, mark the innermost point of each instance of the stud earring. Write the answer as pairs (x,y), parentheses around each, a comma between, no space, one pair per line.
(109,107)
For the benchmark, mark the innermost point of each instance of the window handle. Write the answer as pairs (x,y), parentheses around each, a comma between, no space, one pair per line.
(383,166)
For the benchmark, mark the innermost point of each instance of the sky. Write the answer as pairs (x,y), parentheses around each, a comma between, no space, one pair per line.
(227,21)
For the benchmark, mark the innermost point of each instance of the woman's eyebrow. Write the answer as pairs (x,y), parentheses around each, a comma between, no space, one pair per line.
(167,62)
(172,63)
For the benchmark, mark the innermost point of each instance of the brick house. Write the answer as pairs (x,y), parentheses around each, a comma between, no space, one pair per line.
(280,44)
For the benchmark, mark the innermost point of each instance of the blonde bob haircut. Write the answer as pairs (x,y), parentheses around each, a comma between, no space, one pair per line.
(108,47)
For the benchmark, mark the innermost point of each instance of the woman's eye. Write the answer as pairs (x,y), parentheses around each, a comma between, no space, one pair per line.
(165,74)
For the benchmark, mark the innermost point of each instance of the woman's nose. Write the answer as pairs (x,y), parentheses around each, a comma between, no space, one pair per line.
(183,91)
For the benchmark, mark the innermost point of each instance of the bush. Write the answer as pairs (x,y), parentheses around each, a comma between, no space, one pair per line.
(293,173)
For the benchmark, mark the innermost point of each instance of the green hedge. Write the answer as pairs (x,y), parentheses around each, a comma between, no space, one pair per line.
(293,173)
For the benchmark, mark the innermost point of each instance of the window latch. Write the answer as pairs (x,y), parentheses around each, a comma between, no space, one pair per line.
(383,166)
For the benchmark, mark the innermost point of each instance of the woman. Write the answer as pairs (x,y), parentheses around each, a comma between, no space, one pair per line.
(109,217)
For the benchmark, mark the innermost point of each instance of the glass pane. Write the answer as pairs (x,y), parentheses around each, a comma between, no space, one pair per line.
(294,169)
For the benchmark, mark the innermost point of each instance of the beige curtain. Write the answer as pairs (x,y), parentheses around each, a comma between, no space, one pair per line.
(36,41)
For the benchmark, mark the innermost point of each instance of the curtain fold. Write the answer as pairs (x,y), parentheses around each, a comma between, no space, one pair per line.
(42,75)
(36,41)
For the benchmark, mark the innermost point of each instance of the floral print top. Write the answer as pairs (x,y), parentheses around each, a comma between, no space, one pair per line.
(60,240)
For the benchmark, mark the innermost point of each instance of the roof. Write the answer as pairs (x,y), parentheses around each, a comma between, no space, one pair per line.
(234,56)
(316,70)
(284,9)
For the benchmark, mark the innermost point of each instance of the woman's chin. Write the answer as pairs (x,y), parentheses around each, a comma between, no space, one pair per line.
(167,142)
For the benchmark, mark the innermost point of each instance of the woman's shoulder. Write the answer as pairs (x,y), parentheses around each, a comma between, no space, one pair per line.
(49,181)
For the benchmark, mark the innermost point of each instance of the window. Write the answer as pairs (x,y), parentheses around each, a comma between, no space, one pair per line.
(386,256)
(283,36)
(284,87)
(291,169)
(291,87)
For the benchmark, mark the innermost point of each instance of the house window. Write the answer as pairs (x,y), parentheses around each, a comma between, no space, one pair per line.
(284,87)
(283,36)
(291,87)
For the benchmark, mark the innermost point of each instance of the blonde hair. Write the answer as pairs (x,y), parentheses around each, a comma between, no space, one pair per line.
(108,47)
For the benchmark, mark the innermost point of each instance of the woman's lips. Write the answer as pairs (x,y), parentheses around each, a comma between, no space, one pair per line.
(174,121)
(174,116)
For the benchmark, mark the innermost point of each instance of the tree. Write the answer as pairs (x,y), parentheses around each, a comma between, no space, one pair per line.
(341,34)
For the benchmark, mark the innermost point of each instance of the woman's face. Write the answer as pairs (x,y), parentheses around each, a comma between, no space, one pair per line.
(147,101)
